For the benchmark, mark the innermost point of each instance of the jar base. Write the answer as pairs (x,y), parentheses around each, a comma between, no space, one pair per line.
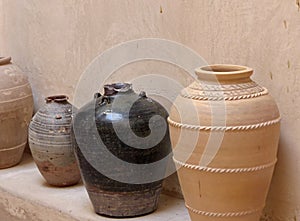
(125,204)
(12,156)
(59,176)
(250,217)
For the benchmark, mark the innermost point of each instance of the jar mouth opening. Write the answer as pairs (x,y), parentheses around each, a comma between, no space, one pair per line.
(5,60)
(224,68)
(222,71)
(114,88)
(56,98)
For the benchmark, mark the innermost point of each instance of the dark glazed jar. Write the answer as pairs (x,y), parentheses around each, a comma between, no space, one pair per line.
(123,148)
(50,142)
(16,108)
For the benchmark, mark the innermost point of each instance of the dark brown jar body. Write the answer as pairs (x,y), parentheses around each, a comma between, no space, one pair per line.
(112,147)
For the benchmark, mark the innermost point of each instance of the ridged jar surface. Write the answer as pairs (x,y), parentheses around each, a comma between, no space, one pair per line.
(16,108)
(225,136)
(50,144)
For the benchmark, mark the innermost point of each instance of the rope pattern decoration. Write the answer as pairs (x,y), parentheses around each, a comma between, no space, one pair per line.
(223,128)
(229,214)
(217,87)
(220,98)
(224,170)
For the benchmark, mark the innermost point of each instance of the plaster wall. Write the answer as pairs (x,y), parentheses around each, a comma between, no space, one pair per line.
(54,41)
(1,27)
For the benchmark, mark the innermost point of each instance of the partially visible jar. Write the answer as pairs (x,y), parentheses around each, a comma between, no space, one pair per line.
(16,108)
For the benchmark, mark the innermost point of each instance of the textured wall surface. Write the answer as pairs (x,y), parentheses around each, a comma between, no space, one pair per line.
(53,42)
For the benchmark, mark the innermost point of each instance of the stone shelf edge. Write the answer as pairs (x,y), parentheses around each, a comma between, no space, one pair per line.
(24,195)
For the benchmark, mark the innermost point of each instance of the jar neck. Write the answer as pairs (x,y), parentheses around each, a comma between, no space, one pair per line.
(224,74)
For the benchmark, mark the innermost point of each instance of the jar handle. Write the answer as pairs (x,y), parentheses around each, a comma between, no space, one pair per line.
(143,94)
(5,60)
(102,98)
(97,95)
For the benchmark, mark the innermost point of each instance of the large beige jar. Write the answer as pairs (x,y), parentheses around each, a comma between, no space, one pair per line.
(16,108)
(224,132)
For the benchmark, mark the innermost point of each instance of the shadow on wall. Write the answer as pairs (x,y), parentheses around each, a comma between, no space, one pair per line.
(281,184)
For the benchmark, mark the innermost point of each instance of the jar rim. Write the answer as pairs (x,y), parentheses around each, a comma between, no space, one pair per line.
(111,89)
(56,98)
(223,71)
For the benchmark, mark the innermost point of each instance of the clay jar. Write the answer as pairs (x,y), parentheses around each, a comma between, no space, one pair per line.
(120,136)
(50,142)
(227,153)
(16,107)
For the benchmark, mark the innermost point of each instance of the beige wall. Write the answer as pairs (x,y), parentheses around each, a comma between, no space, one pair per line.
(53,42)
(1,27)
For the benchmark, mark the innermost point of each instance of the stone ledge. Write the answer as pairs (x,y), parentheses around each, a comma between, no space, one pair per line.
(24,195)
